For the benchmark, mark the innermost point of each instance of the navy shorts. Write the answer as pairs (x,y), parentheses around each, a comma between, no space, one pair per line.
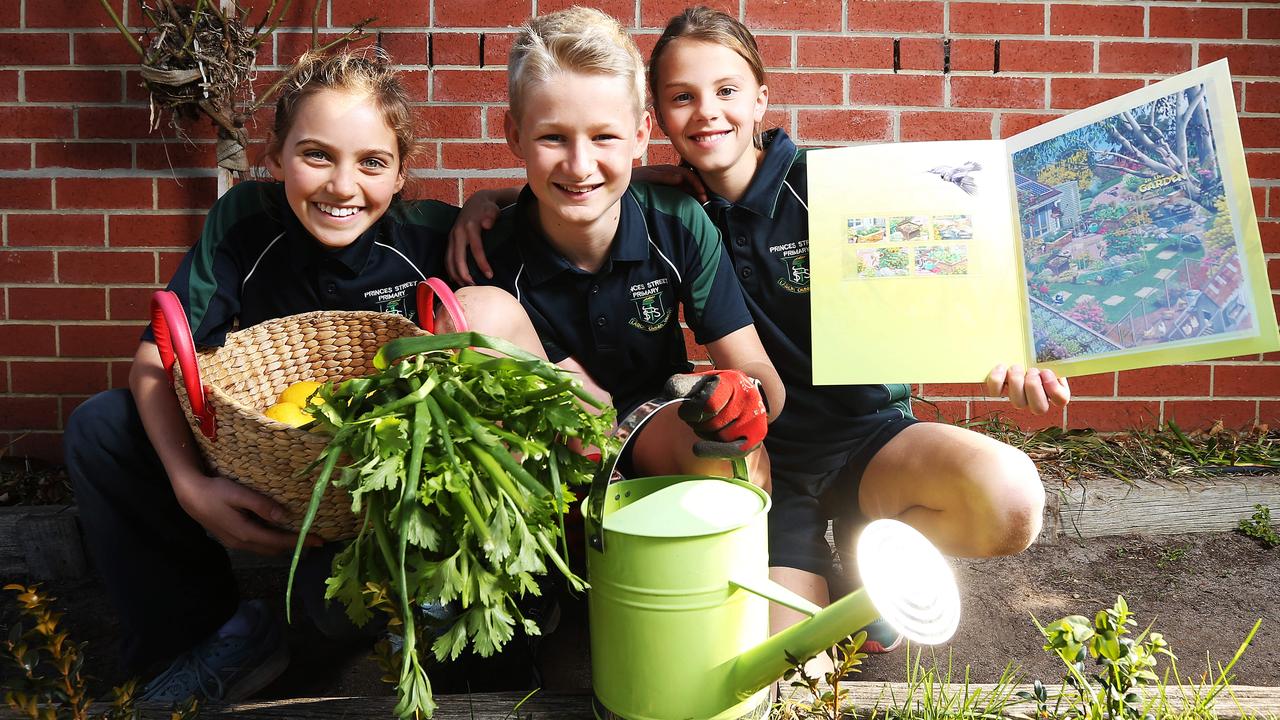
(805,501)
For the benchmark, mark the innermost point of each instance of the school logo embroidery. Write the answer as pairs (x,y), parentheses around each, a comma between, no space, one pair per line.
(652,314)
(794,258)
(392,299)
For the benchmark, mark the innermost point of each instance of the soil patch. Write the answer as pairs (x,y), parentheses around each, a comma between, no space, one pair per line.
(1203,591)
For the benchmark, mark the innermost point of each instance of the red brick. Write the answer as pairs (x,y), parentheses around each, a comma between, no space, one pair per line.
(1262,97)
(948,411)
(921,54)
(106,267)
(1010,92)
(56,376)
(443,121)
(622,10)
(1070,93)
(406,14)
(985,18)
(1165,381)
(469,85)
(28,413)
(129,303)
(969,390)
(77,86)
(467,13)
(806,88)
(795,14)
(1025,419)
(1260,60)
(1274,200)
(449,48)
(1097,385)
(407,48)
(1144,57)
(118,372)
(189,193)
(102,48)
(15,156)
(845,52)
(28,340)
(1263,165)
(42,446)
(894,15)
(775,50)
(1260,200)
(70,15)
(115,123)
(844,125)
(663,154)
(8,85)
(185,155)
(83,156)
(167,264)
(170,231)
(1046,56)
(1246,381)
(896,90)
(497,45)
(972,55)
(944,126)
(10,13)
(1270,232)
(1013,123)
(60,229)
(60,303)
(656,13)
(98,341)
(469,156)
(109,193)
(1258,132)
(26,266)
(26,194)
(1116,19)
(1105,415)
(443,189)
(35,48)
(36,122)
(1273,272)
(1196,22)
(1264,24)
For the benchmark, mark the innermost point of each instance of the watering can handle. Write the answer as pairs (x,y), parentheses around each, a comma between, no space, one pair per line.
(626,428)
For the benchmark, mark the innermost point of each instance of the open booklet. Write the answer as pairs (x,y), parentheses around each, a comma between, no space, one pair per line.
(1117,237)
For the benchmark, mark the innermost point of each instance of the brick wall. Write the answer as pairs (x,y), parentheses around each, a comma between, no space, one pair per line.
(95,211)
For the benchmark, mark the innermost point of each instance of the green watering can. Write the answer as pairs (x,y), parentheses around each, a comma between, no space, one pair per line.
(679,599)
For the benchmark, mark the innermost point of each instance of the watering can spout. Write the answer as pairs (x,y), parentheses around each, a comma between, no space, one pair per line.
(905,580)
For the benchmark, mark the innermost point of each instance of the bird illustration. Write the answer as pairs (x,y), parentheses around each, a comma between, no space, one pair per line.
(960,175)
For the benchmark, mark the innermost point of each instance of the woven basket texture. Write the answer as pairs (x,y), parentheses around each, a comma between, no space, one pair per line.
(247,374)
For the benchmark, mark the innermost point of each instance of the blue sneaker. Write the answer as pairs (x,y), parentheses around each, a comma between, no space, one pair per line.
(241,658)
(881,638)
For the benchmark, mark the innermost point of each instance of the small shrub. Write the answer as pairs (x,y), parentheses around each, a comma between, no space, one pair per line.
(1259,527)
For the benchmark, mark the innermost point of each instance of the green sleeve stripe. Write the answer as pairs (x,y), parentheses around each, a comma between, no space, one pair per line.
(241,201)
(693,220)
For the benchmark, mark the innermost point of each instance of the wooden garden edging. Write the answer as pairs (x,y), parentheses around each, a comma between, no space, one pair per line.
(43,542)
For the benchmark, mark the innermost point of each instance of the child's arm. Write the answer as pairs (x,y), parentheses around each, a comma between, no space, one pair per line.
(478,214)
(1034,390)
(220,505)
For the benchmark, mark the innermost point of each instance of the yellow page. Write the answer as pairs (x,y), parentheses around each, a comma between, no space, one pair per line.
(914,267)
(1139,238)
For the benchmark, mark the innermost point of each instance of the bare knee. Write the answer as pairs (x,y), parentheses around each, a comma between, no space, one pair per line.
(1014,509)
(495,312)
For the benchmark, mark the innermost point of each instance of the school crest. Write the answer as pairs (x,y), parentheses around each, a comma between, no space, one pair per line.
(651,311)
(794,262)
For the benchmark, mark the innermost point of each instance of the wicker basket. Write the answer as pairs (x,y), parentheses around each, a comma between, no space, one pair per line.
(233,384)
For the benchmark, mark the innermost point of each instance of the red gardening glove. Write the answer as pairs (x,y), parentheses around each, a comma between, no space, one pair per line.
(725,408)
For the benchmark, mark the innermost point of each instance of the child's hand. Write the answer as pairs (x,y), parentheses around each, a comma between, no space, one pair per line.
(240,518)
(478,214)
(1034,390)
(681,178)
(726,409)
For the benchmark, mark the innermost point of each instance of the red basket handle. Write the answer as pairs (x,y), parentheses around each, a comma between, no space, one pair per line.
(173,338)
(427,292)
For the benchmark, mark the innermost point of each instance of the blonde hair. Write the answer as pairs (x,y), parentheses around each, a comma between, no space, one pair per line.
(359,72)
(703,24)
(576,39)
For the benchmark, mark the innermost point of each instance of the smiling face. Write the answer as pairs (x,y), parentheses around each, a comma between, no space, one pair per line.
(340,165)
(578,134)
(710,104)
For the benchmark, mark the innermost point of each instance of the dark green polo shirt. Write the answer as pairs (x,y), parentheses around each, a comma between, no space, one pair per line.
(254,261)
(622,322)
(767,236)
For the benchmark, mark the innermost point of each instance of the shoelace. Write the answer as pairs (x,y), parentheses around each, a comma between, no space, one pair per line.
(193,665)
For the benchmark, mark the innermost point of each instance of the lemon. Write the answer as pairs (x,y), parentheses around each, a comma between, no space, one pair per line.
(289,414)
(299,392)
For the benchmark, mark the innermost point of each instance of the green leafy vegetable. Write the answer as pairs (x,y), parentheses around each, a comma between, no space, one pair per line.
(461,465)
